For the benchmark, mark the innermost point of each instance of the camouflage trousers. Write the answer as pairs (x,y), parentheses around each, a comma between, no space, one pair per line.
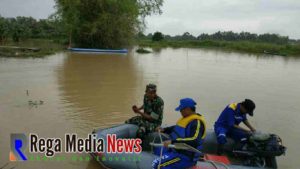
(145,127)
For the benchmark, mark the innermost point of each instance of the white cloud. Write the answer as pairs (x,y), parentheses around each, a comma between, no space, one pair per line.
(200,16)
(39,9)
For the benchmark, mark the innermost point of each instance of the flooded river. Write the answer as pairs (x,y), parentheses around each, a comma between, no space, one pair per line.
(74,93)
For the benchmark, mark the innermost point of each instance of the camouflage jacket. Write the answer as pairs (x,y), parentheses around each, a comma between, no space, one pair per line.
(154,108)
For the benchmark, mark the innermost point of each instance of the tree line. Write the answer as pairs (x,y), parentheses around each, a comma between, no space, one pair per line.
(223,36)
(21,28)
(109,24)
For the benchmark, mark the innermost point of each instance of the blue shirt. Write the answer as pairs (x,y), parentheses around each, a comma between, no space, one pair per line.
(231,116)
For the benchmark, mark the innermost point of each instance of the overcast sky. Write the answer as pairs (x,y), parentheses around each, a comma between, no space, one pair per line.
(196,16)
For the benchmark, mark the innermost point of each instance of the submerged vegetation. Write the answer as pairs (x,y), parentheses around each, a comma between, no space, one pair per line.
(30,48)
(143,50)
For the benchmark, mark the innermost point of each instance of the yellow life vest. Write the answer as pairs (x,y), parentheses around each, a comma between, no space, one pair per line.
(184,121)
(233,106)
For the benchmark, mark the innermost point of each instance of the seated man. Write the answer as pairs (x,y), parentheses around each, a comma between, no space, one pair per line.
(152,114)
(190,129)
(229,120)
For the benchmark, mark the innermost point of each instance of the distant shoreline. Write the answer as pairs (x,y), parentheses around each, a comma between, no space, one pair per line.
(241,46)
(47,47)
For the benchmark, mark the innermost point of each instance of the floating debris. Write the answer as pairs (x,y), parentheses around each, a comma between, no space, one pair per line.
(35,103)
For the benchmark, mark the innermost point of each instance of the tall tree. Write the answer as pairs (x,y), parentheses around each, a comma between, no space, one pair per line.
(4,29)
(158,36)
(105,23)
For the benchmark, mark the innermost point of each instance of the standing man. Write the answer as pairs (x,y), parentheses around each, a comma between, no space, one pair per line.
(191,130)
(229,120)
(150,114)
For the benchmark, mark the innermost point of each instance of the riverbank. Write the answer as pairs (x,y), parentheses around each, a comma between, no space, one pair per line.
(44,47)
(242,46)
(31,48)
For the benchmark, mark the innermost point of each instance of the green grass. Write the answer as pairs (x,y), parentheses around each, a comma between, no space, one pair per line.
(242,46)
(47,47)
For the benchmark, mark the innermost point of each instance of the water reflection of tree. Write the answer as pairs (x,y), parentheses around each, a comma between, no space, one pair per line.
(99,90)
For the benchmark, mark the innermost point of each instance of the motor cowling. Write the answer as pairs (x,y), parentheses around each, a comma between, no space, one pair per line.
(261,150)
(271,146)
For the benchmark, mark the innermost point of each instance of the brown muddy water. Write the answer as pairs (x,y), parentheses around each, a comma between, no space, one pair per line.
(80,92)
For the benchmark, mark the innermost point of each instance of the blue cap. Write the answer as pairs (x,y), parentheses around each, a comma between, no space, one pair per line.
(186,102)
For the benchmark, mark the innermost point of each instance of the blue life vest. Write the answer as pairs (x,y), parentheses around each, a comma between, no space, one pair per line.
(182,132)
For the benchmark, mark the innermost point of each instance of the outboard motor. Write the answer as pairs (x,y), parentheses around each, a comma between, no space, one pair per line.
(262,150)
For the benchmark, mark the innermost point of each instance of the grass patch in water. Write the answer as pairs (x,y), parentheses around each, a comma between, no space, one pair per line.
(143,51)
(22,49)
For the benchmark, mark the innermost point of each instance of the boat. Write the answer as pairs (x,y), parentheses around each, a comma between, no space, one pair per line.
(87,50)
(262,155)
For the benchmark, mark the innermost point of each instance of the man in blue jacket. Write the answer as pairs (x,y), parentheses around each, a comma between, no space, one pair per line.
(191,130)
(229,120)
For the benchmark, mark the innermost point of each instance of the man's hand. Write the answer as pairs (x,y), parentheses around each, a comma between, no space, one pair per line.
(241,128)
(252,132)
(166,143)
(135,109)
(247,123)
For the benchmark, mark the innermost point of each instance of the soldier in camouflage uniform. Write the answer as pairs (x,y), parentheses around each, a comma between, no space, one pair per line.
(152,114)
